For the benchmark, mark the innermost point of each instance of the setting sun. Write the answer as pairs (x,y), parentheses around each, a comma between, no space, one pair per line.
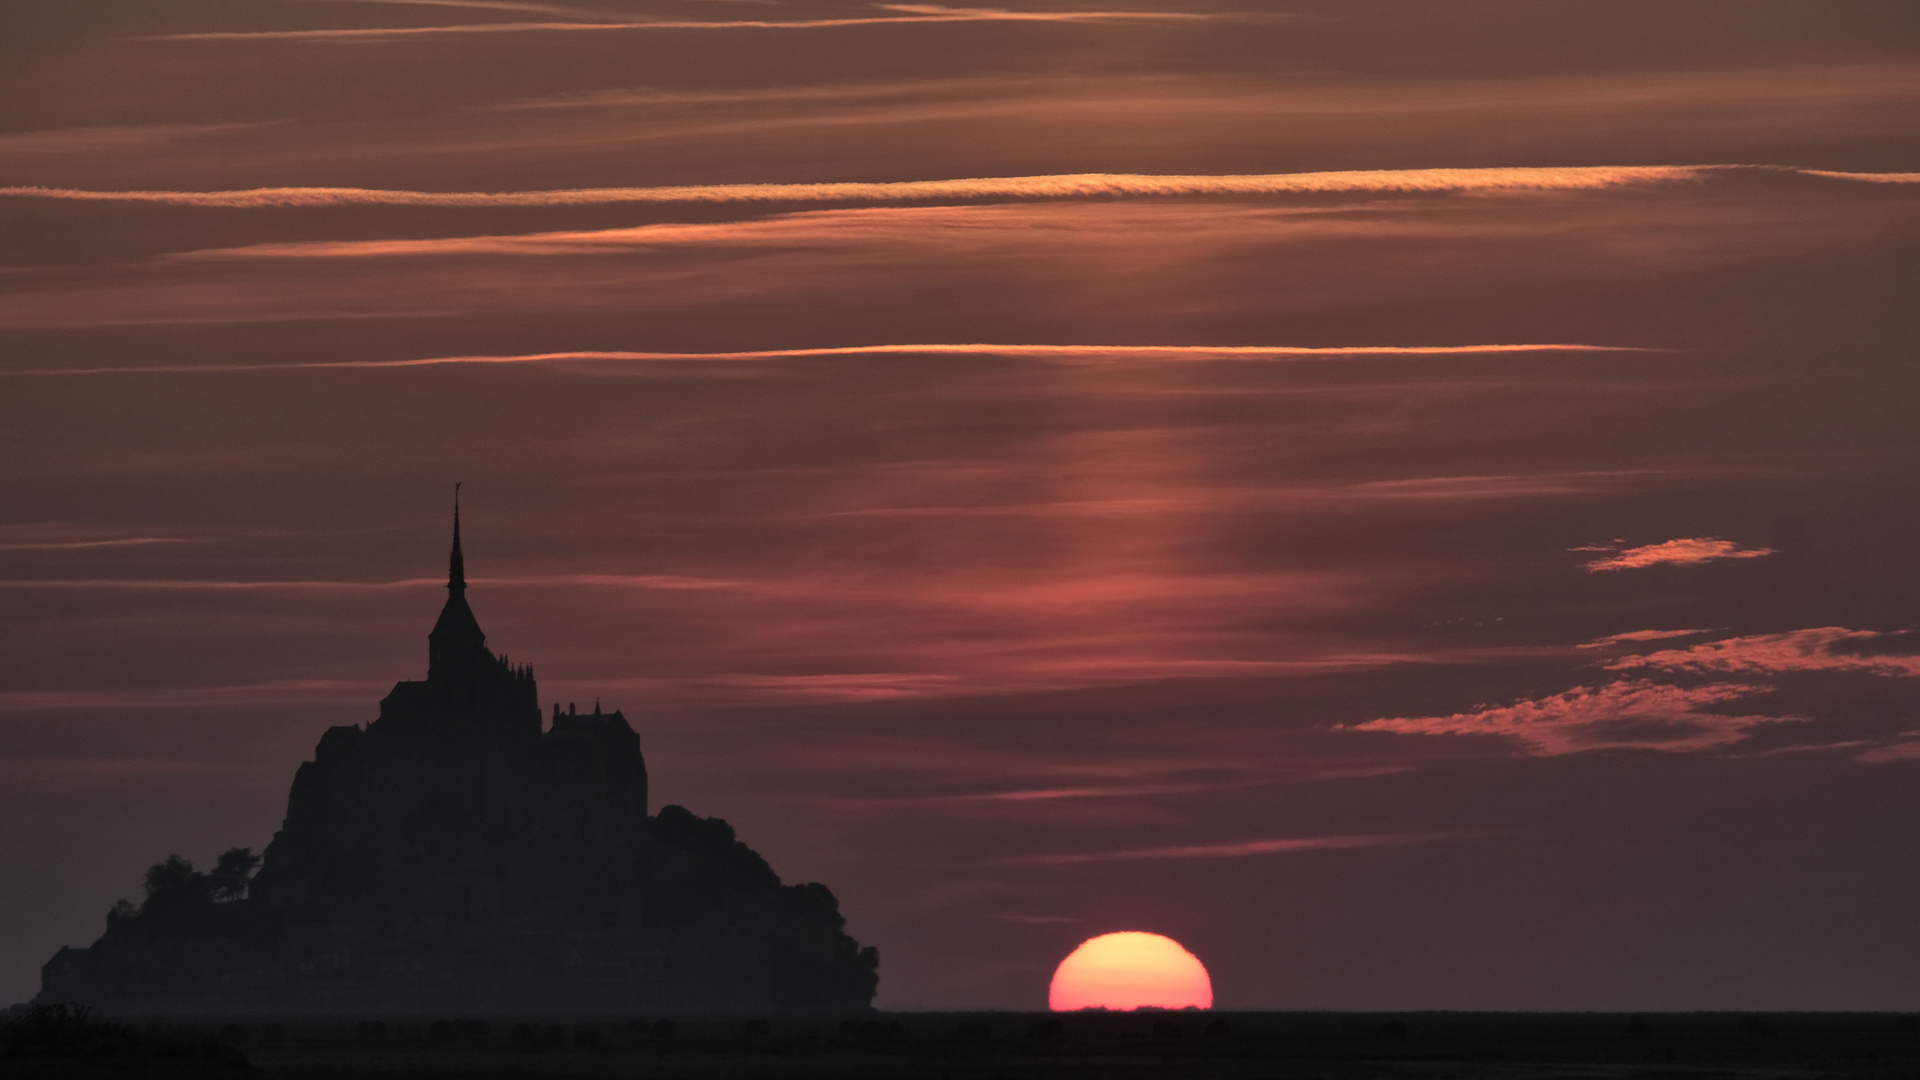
(1129,970)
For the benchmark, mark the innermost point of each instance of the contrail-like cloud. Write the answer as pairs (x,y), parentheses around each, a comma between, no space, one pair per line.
(1240,850)
(1865,177)
(907,14)
(494,5)
(1061,186)
(636,581)
(1064,186)
(1058,354)
(281,692)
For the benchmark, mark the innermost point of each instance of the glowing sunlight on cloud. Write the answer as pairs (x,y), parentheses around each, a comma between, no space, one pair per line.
(1635,637)
(1688,551)
(908,14)
(1058,186)
(1059,354)
(1628,714)
(1064,186)
(1823,648)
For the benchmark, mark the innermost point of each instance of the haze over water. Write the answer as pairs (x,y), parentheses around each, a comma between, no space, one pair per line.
(1413,501)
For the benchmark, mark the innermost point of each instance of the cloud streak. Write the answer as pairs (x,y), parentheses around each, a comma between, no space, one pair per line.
(1822,648)
(639,581)
(909,14)
(1058,186)
(1054,186)
(280,692)
(1055,354)
(1634,637)
(81,545)
(1240,850)
(1623,715)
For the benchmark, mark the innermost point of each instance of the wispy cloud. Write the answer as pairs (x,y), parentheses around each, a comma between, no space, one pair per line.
(1907,749)
(1017,668)
(1627,714)
(27,773)
(1060,186)
(1864,177)
(1238,850)
(640,581)
(1823,648)
(1641,714)
(1495,487)
(490,5)
(1687,551)
(906,14)
(281,692)
(1059,354)
(1056,186)
(1635,637)
(81,545)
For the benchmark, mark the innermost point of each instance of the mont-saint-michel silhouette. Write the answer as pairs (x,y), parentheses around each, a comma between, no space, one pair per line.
(452,857)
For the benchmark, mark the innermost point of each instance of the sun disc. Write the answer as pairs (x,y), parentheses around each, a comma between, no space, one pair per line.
(1130,970)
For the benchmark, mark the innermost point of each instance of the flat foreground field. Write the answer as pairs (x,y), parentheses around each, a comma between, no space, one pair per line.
(1005,1046)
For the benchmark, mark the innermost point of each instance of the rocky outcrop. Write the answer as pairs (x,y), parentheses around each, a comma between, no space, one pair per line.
(453,857)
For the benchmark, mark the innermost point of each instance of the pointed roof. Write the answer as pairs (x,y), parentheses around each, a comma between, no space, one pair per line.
(457,630)
(457,564)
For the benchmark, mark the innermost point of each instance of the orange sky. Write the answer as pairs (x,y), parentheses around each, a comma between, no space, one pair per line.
(1413,500)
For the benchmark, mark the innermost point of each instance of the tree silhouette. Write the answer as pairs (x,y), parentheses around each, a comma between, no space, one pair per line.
(170,882)
(231,873)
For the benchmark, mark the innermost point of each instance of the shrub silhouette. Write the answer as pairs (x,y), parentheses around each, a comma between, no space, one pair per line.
(1048,1028)
(67,1033)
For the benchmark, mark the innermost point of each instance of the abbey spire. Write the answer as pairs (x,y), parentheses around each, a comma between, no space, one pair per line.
(456,644)
(456,564)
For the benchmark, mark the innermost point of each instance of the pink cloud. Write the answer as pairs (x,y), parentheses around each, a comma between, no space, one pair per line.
(1061,354)
(80,545)
(281,692)
(1908,749)
(1508,486)
(1634,637)
(1630,714)
(1823,648)
(537,581)
(492,5)
(1689,551)
(908,13)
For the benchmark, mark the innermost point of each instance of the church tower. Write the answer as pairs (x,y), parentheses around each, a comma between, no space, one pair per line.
(467,687)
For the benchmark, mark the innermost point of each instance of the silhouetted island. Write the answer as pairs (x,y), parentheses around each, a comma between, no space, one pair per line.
(453,858)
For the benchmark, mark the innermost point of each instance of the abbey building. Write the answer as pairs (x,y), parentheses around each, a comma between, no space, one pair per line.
(464,855)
